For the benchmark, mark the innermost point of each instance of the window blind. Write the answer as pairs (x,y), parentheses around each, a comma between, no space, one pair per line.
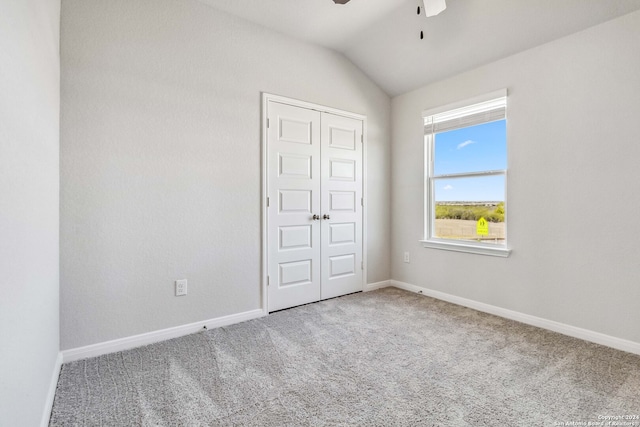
(484,112)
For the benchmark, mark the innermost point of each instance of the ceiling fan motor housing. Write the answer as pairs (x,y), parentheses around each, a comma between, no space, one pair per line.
(340,1)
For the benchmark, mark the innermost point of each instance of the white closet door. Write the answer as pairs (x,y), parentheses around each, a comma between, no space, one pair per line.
(341,234)
(293,236)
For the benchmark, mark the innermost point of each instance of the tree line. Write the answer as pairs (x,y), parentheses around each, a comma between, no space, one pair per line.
(471,212)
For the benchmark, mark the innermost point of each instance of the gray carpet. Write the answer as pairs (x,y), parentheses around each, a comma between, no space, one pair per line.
(382,358)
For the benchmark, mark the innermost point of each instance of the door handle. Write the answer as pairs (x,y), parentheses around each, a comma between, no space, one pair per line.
(315,217)
(325,216)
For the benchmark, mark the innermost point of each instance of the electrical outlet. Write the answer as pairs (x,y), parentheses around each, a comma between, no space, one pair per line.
(181,287)
(406,257)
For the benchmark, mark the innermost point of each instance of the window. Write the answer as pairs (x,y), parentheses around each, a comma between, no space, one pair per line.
(466,176)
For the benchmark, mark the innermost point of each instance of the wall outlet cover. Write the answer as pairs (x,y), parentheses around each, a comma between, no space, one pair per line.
(181,287)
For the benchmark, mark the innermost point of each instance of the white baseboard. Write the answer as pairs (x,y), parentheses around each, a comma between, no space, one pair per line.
(378,285)
(572,331)
(156,336)
(51,394)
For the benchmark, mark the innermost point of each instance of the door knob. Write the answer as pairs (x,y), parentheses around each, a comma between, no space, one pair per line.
(325,216)
(316,217)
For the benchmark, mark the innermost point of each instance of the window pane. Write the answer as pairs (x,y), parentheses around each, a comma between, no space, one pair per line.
(471,149)
(461,202)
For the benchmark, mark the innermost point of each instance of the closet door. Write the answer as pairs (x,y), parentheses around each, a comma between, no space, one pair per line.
(293,177)
(341,232)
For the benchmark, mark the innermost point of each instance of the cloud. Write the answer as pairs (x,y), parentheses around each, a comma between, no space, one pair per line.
(448,187)
(464,144)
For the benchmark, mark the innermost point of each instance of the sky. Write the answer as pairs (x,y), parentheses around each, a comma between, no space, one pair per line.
(472,149)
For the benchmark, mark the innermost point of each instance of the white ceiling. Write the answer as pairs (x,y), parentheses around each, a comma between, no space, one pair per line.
(382,36)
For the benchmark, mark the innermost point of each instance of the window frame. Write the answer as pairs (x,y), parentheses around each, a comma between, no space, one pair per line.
(460,109)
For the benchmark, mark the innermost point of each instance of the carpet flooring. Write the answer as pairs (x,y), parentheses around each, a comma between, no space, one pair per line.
(382,358)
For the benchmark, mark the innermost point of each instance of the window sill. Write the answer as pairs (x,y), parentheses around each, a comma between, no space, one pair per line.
(465,247)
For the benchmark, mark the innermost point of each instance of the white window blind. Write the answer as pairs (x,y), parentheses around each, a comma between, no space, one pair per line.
(483,112)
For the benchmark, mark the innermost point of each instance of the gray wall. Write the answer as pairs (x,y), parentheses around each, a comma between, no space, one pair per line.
(573,183)
(160,160)
(29,202)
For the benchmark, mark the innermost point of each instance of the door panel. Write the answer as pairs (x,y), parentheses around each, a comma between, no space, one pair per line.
(295,201)
(342,170)
(341,233)
(344,201)
(295,273)
(295,237)
(293,164)
(342,138)
(342,266)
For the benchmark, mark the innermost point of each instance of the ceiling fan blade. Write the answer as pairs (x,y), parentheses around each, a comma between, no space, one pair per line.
(434,7)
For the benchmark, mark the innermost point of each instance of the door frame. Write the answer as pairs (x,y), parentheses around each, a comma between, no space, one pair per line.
(266,98)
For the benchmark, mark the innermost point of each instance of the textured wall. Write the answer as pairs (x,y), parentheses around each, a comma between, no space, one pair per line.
(29,206)
(572,188)
(160,160)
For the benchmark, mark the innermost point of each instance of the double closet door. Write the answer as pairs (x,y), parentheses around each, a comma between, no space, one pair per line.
(314,212)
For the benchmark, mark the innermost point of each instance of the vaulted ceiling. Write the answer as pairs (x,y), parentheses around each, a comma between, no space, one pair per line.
(382,36)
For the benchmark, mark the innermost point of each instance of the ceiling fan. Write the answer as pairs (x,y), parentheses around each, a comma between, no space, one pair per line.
(431,7)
